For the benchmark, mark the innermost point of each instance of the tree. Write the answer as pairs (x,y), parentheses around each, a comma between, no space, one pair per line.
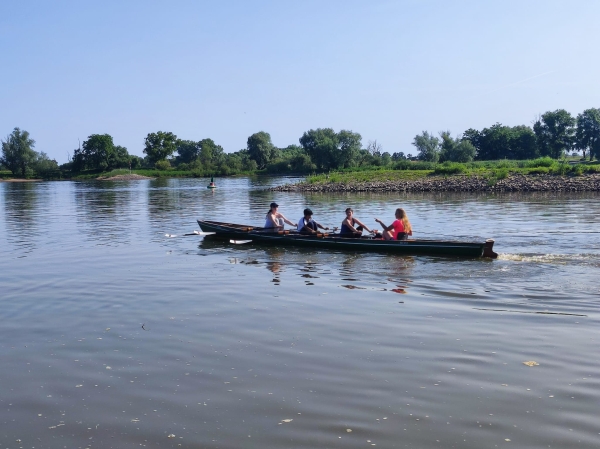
(120,158)
(320,144)
(374,148)
(260,148)
(473,136)
(187,151)
(45,167)
(159,146)
(587,136)
(18,154)
(428,147)
(349,145)
(523,143)
(456,150)
(503,142)
(329,150)
(386,158)
(211,154)
(494,143)
(302,163)
(555,133)
(98,150)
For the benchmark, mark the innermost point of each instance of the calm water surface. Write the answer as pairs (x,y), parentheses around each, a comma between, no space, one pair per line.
(113,335)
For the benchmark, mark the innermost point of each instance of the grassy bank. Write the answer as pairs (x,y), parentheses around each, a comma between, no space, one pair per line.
(494,170)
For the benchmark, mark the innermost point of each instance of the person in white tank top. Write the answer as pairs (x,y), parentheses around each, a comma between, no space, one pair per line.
(275,219)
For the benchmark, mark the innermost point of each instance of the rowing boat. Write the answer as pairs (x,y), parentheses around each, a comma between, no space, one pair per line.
(334,241)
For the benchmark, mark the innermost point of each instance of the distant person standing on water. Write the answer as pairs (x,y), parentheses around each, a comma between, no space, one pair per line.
(275,219)
(400,229)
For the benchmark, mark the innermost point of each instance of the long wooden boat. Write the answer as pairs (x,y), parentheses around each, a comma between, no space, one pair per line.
(334,241)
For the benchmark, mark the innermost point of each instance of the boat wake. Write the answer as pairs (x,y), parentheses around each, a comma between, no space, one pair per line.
(560,259)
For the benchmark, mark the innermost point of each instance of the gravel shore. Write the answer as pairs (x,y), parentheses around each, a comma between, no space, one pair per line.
(513,183)
(131,177)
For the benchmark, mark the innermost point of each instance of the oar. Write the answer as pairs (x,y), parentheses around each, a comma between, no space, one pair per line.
(239,242)
(190,233)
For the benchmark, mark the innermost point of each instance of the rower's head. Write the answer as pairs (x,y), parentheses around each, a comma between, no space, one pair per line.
(273,207)
(349,212)
(308,213)
(400,213)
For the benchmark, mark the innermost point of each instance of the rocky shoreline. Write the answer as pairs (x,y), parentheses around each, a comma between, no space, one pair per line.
(513,183)
(130,177)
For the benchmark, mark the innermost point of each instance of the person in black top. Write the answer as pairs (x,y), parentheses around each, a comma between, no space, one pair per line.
(349,226)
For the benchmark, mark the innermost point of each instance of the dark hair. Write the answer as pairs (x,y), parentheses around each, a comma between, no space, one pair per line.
(271,206)
(349,209)
(307,211)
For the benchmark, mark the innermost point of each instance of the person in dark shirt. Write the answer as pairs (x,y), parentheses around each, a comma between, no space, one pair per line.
(353,227)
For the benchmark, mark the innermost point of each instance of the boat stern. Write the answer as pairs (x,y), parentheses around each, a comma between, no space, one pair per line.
(488,249)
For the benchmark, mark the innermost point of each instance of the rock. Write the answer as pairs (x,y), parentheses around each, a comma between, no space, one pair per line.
(513,183)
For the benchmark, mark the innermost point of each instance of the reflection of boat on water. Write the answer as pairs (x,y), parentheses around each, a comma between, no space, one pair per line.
(212,184)
(334,241)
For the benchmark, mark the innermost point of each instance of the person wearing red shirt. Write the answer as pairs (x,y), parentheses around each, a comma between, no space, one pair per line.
(400,229)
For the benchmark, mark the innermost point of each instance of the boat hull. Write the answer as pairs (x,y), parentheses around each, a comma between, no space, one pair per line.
(333,241)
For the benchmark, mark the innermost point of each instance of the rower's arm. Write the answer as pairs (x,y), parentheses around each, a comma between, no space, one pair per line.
(362,224)
(288,221)
(385,228)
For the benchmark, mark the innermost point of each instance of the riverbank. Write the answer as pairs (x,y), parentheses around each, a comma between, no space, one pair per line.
(457,183)
(127,177)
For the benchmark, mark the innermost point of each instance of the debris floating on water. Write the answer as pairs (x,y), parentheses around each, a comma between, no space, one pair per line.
(531,363)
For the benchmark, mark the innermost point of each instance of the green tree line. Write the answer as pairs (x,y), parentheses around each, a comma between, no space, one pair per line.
(553,134)
(19,156)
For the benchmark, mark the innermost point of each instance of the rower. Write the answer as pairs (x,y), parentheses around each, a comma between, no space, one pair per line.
(275,220)
(400,229)
(306,225)
(353,227)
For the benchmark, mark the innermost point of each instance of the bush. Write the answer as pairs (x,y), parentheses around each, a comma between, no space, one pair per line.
(501,173)
(504,163)
(560,169)
(278,166)
(578,170)
(413,165)
(163,165)
(538,171)
(450,168)
(541,162)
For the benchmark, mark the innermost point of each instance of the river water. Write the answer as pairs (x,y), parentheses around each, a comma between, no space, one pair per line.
(114,335)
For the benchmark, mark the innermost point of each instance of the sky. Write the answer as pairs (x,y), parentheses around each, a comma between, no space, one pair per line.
(227,69)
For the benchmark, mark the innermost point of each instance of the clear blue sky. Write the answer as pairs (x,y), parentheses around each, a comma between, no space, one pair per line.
(227,69)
